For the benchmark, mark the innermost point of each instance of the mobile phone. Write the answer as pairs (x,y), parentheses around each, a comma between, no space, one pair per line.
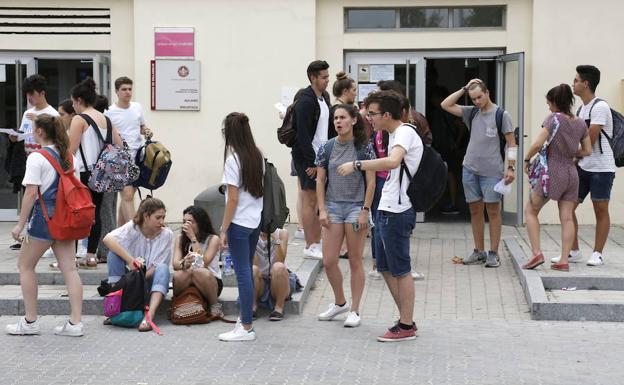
(356,226)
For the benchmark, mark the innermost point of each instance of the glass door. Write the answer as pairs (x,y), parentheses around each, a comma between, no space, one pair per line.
(510,96)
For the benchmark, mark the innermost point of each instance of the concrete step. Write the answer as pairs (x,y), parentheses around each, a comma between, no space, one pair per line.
(53,295)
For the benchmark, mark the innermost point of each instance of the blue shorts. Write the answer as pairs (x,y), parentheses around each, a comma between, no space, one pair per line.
(37,226)
(344,212)
(598,183)
(267,300)
(480,188)
(393,243)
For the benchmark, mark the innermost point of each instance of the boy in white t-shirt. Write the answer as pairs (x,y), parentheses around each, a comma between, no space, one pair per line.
(596,171)
(128,117)
(395,216)
(35,87)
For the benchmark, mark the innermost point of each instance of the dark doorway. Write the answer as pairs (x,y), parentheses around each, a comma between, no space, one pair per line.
(62,75)
(450,134)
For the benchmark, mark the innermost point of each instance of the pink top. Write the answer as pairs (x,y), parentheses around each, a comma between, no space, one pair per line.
(381,152)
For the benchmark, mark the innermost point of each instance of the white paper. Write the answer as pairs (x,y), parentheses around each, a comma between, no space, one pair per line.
(287,96)
(502,188)
(10,131)
(364,90)
(2,73)
(381,72)
(280,107)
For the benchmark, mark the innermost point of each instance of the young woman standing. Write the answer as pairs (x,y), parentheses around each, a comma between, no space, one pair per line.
(41,177)
(344,208)
(243,172)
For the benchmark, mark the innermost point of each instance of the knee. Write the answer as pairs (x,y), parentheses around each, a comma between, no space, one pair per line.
(200,276)
(279,269)
(162,272)
(493,210)
(256,272)
(330,263)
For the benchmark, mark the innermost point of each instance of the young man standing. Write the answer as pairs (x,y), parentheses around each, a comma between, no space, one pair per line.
(395,216)
(35,87)
(596,171)
(483,166)
(311,120)
(128,117)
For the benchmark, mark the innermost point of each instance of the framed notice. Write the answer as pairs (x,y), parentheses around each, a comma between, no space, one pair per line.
(174,43)
(175,85)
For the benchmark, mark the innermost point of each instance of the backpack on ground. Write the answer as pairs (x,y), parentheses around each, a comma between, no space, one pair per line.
(616,141)
(154,161)
(286,133)
(274,208)
(189,307)
(429,182)
(114,168)
(74,211)
(499,125)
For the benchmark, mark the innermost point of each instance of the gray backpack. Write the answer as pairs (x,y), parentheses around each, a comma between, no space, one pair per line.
(616,141)
(274,208)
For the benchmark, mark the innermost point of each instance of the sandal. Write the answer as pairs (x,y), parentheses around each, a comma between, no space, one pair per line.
(107,321)
(101,259)
(88,262)
(144,326)
(534,262)
(55,266)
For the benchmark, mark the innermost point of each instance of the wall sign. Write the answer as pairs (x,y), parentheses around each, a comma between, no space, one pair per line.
(174,43)
(175,85)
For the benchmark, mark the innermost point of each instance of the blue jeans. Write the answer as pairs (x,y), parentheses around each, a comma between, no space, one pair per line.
(393,241)
(117,269)
(242,242)
(379,183)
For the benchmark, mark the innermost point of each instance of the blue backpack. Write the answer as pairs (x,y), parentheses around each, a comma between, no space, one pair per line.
(154,161)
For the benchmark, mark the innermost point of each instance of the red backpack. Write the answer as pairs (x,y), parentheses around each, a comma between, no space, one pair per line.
(75,212)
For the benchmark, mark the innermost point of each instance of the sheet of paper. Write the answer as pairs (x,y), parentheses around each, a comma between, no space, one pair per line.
(280,107)
(11,131)
(381,72)
(364,90)
(287,95)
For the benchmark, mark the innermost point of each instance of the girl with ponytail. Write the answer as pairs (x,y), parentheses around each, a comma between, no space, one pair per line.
(42,178)
(85,143)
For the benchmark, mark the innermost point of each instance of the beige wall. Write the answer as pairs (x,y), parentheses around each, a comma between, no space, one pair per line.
(564,38)
(248,51)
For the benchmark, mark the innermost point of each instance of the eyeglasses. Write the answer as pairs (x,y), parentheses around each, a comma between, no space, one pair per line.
(370,114)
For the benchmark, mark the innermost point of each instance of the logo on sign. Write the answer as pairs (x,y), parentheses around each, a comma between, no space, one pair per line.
(183,71)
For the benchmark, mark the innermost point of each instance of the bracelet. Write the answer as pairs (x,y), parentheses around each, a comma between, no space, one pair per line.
(365,208)
(527,161)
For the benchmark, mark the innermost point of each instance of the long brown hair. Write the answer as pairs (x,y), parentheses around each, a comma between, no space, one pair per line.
(239,140)
(54,131)
(360,139)
(148,206)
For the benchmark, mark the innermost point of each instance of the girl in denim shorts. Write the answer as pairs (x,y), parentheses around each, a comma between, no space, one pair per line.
(344,206)
(42,178)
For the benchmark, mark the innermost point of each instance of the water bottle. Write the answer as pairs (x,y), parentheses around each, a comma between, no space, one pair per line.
(226,258)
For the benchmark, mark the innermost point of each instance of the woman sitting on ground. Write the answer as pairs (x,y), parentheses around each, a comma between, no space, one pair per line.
(198,240)
(143,241)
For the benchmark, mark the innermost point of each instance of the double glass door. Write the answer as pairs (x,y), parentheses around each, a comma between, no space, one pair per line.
(62,71)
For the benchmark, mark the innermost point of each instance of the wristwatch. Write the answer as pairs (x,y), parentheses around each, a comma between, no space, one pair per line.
(512,168)
(365,208)
(358,165)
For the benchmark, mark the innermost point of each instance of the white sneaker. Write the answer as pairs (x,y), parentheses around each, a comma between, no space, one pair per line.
(313,252)
(417,275)
(69,330)
(374,274)
(22,328)
(595,259)
(332,311)
(48,253)
(353,320)
(238,334)
(576,259)
(299,233)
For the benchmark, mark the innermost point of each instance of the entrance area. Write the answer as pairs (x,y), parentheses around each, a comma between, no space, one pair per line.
(62,72)
(428,78)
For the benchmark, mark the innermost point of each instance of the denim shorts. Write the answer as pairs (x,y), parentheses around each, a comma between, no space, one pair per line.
(480,188)
(393,232)
(598,183)
(37,226)
(344,212)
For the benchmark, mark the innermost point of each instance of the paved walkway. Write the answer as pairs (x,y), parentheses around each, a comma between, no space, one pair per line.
(473,322)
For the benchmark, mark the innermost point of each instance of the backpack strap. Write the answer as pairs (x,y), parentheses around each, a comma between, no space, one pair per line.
(472,115)
(48,154)
(409,176)
(602,131)
(499,126)
(108,140)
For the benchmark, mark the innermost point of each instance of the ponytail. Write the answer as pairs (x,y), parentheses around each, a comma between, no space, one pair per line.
(54,131)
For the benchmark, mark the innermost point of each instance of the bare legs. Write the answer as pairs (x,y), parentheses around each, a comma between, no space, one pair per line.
(126,206)
(477,220)
(310,222)
(201,278)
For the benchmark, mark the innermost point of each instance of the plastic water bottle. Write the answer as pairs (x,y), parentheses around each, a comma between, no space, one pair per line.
(226,258)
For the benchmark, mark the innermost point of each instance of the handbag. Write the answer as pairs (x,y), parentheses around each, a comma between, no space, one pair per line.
(189,308)
(538,168)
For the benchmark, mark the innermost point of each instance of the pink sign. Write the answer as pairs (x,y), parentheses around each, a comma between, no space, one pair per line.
(174,42)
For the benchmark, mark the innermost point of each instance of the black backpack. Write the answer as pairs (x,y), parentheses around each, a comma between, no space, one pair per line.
(429,182)
(286,133)
(274,208)
(616,141)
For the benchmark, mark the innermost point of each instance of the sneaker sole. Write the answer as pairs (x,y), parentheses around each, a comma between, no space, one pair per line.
(478,262)
(312,257)
(382,339)
(69,334)
(24,334)
(351,325)
(320,318)
(238,340)
(492,266)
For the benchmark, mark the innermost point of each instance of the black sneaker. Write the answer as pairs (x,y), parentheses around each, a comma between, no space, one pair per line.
(16,246)
(276,316)
(450,210)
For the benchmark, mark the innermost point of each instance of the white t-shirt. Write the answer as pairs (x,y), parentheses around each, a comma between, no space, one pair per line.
(128,122)
(249,209)
(408,139)
(597,162)
(91,146)
(155,251)
(40,172)
(322,127)
(27,126)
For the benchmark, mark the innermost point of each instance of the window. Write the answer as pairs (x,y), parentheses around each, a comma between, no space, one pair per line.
(410,18)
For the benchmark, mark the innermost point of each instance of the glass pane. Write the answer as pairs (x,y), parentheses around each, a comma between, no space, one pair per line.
(478,17)
(424,17)
(510,104)
(371,18)
(8,119)
(62,75)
